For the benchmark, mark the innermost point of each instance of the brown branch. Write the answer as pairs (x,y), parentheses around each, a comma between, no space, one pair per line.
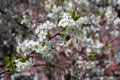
(112,40)
(4,71)
(56,34)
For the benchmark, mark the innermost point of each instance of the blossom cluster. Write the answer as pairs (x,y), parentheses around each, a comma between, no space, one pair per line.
(23,65)
(79,24)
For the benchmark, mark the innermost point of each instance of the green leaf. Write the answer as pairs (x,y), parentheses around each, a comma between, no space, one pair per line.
(102,14)
(23,59)
(75,16)
(63,35)
(47,68)
(92,52)
(13,69)
(10,63)
(13,59)
(93,55)
(108,45)
(48,34)
(7,59)
(66,28)
(81,32)
(93,58)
